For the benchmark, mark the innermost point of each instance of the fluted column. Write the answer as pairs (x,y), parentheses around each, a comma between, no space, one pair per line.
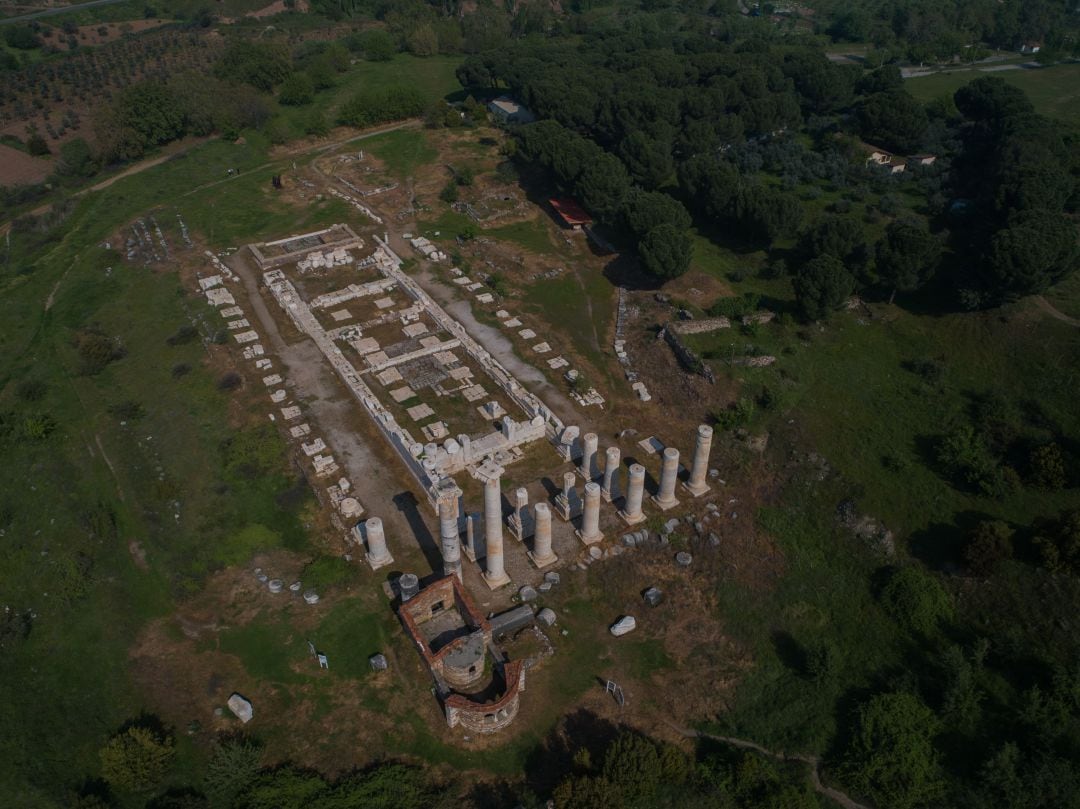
(635,493)
(669,474)
(495,573)
(699,471)
(450,540)
(589,533)
(611,474)
(541,553)
(378,554)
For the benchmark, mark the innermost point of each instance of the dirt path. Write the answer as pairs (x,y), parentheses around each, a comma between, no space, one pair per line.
(814,762)
(1054,312)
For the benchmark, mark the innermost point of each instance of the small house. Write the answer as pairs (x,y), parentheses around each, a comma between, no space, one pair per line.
(1031,48)
(570,213)
(506,110)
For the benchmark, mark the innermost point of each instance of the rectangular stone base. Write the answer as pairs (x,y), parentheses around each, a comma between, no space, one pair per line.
(495,584)
(664,505)
(386,560)
(589,540)
(542,563)
(631,521)
(564,508)
(694,492)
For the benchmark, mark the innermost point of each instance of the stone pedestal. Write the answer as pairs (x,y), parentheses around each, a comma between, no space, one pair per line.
(495,569)
(635,493)
(541,553)
(564,501)
(587,462)
(589,533)
(609,489)
(378,554)
(699,471)
(669,475)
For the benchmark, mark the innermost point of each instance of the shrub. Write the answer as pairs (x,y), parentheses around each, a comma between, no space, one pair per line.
(230,381)
(180,369)
(127,410)
(297,90)
(988,545)
(449,193)
(183,335)
(137,759)
(1058,542)
(916,600)
(737,414)
(736,307)
(1046,467)
(96,351)
(31,390)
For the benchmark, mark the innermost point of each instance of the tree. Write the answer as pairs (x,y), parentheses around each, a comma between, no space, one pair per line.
(296,90)
(821,286)
(665,252)
(1058,542)
(1038,249)
(602,186)
(834,235)
(647,159)
(915,599)
(646,210)
(233,765)
(894,120)
(632,765)
(891,756)
(283,788)
(76,160)
(1046,467)
(260,64)
(992,99)
(907,256)
(21,37)
(376,45)
(423,41)
(137,759)
(988,545)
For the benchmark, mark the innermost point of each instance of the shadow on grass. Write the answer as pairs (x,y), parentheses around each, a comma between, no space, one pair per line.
(408,505)
(553,759)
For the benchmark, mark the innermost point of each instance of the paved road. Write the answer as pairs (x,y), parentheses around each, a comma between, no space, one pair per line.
(50,12)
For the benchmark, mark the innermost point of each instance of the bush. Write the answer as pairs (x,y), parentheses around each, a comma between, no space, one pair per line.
(965,459)
(181,369)
(736,307)
(988,546)
(737,414)
(96,351)
(31,390)
(916,600)
(127,410)
(183,335)
(449,193)
(1058,543)
(376,106)
(137,759)
(230,381)
(297,90)
(1046,467)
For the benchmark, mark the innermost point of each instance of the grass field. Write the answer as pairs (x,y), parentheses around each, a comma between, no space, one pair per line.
(1055,91)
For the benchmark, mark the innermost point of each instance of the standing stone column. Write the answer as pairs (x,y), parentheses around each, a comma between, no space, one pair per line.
(635,493)
(517,520)
(541,553)
(586,466)
(699,471)
(589,533)
(669,474)
(471,521)
(447,500)
(378,554)
(495,574)
(564,501)
(611,474)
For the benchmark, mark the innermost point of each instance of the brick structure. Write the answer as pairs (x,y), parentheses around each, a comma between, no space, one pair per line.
(491,716)
(453,638)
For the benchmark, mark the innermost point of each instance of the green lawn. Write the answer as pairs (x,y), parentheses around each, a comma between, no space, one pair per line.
(1055,91)
(402,150)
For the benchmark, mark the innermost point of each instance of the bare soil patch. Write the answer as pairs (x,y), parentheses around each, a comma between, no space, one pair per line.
(19,168)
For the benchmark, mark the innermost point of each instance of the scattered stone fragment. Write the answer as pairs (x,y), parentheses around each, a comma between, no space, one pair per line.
(241,708)
(552,577)
(275,585)
(546,616)
(311,597)
(623,626)
(653,596)
(683,559)
(378,662)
